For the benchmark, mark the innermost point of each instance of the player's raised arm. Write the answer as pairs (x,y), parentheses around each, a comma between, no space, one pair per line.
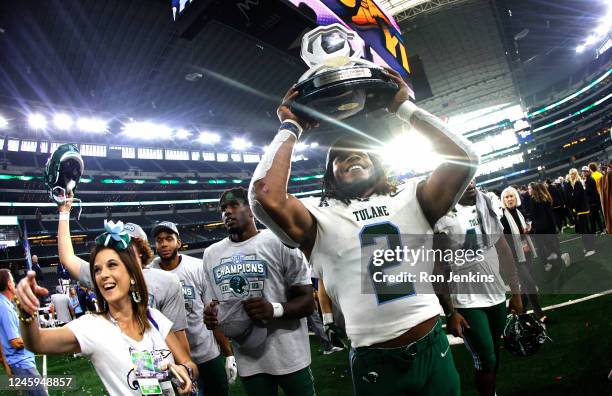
(282,213)
(77,267)
(448,181)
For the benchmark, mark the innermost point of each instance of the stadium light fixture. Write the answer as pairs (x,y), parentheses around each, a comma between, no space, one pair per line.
(602,29)
(37,121)
(241,144)
(209,138)
(410,151)
(314,145)
(3,122)
(301,146)
(182,134)
(94,125)
(590,40)
(600,32)
(147,130)
(62,121)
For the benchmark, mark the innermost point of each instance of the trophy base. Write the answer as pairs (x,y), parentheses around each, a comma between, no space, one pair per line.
(343,92)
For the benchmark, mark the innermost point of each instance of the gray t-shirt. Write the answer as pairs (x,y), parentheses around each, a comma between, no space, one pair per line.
(61,302)
(165,293)
(260,266)
(190,272)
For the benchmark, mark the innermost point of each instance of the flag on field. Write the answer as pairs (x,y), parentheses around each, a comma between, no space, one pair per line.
(26,247)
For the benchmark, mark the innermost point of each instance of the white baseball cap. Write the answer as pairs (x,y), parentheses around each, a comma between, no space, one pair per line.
(135,231)
(235,323)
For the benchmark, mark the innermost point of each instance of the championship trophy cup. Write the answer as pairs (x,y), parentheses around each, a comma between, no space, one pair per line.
(339,84)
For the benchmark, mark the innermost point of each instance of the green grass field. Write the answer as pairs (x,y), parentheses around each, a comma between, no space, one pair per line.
(576,361)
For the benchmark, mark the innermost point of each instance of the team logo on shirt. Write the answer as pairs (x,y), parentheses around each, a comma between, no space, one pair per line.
(189,295)
(239,286)
(239,275)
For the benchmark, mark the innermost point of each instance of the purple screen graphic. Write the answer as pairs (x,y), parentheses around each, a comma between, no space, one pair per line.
(378,31)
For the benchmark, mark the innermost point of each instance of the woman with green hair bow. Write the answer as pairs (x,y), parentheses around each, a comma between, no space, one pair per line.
(129,344)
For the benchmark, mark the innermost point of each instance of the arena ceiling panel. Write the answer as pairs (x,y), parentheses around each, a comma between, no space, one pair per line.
(123,58)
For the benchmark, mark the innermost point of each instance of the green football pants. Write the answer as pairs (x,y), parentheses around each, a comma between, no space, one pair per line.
(483,337)
(299,383)
(213,379)
(424,368)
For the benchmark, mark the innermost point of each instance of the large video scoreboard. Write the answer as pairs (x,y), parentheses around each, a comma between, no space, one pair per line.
(281,23)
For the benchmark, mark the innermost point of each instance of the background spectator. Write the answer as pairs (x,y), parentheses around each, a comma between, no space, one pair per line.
(75,304)
(592,194)
(579,206)
(522,248)
(61,303)
(20,360)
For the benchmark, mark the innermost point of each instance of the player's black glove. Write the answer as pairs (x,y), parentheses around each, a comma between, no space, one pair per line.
(333,331)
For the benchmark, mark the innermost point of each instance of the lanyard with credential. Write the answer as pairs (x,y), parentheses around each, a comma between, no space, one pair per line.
(147,365)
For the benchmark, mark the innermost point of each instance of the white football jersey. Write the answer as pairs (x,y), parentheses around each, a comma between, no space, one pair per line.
(463,228)
(347,237)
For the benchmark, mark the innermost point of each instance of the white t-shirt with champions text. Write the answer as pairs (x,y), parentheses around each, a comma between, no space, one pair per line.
(190,272)
(262,267)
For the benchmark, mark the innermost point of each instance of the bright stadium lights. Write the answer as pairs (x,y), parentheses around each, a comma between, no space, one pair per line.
(3,122)
(182,134)
(314,145)
(209,138)
(410,152)
(301,146)
(600,32)
(94,125)
(240,144)
(37,121)
(590,40)
(63,122)
(147,130)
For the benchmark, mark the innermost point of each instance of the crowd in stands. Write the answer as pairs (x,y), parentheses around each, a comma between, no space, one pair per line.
(580,200)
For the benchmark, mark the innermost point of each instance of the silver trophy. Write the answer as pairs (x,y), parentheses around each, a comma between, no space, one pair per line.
(339,84)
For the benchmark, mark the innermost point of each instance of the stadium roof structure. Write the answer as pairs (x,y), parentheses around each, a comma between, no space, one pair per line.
(123,58)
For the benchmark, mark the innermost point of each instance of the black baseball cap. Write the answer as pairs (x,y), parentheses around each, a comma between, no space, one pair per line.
(165,226)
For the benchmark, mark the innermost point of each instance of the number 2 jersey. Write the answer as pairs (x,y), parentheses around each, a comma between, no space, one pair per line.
(347,236)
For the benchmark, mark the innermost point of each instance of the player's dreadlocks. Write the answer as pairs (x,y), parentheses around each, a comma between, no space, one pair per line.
(330,188)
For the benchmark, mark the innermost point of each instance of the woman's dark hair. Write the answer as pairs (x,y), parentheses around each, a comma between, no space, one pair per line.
(128,258)
(540,193)
(330,189)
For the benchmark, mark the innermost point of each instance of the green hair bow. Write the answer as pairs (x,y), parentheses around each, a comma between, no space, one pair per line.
(115,236)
